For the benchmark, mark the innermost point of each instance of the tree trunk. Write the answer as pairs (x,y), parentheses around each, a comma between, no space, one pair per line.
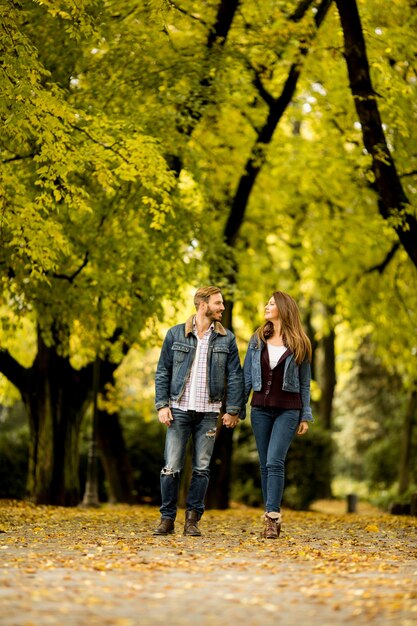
(327,385)
(328,379)
(55,398)
(392,200)
(218,493)
(308,325)
(114,458)
(406,447)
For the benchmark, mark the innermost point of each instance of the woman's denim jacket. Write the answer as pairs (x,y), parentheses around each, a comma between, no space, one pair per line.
(296,377)
(225,377)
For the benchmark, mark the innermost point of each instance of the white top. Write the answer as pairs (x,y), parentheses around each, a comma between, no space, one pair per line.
(192,402)
(275,353)
(196,393)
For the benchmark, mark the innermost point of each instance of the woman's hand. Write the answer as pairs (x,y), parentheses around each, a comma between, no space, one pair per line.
(302,428)
(230,421)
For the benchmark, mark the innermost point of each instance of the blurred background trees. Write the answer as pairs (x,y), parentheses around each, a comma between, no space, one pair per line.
(150,147)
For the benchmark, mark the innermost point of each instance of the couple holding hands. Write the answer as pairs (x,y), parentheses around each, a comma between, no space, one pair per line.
(199,374)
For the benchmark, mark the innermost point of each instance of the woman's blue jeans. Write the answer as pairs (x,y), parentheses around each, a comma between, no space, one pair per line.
(202,428)
(274,430)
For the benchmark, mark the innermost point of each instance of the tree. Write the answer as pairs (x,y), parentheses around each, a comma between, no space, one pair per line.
(405,462)
(90,214)
(392,200)
(250,107)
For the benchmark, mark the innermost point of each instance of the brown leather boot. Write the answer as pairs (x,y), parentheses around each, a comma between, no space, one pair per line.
(190,526)
(165,527)
(272,525)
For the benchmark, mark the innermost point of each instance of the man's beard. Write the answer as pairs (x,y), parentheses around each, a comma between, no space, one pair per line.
(212,314)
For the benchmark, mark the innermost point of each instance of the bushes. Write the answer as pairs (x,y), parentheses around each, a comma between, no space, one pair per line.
(146,452)
(308,469)
(14,446)
(14,463)
(246,480)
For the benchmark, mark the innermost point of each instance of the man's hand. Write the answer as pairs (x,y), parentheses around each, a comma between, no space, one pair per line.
(165,416)
(302,428)
(230,421)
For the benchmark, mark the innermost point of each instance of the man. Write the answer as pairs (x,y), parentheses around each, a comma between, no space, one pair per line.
(198,370)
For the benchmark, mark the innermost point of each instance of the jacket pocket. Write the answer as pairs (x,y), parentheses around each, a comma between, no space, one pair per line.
(180,351)
(292,378)
(220,354)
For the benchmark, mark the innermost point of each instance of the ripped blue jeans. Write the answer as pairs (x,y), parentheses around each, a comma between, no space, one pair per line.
(202,428)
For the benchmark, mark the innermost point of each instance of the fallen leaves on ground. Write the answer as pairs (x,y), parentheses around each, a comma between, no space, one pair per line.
(76,566)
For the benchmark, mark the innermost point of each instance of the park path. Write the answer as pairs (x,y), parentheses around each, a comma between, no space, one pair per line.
(79,567)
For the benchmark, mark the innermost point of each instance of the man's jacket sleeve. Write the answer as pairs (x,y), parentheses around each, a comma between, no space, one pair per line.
(164,373)
(234,390)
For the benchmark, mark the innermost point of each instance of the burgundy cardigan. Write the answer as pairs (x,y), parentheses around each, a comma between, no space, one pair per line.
(271,394)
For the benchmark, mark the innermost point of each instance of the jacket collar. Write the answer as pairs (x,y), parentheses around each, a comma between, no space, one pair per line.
(218,328)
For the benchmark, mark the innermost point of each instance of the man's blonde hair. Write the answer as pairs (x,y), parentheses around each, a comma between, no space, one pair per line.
(204,293)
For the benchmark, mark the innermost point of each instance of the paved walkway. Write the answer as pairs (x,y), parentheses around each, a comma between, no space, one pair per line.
(73,567)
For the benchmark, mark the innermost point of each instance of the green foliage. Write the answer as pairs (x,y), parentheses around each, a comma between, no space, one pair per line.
(246,479)
(124,138)
(307,473)
(14,440)
(146,454)
(381,462)
(308,469)
(101,114)
(370,409)
(95,233)
(144,441)
(390,500)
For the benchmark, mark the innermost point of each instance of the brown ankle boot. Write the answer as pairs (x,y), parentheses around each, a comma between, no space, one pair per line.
(165,527)
(272,525)
(190,526)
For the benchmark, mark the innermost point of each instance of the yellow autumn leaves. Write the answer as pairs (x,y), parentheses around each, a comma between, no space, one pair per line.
(84,566)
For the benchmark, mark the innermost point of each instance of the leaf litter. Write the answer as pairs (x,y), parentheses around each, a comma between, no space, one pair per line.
(76,566)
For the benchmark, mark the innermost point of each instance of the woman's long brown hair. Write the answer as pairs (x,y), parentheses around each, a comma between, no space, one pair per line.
(292,331)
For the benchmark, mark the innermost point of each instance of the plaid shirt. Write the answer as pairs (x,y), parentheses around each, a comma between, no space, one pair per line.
(196,395)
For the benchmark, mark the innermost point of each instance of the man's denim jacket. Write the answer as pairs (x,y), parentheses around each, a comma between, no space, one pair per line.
(225,377)
(296,377)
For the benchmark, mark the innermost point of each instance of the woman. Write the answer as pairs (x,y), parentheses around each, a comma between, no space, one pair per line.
(277,369)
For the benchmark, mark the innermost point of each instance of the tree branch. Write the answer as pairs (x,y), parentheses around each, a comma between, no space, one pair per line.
(189,116)
(301,10)
(19,157)
(392,200)
(73,276)
(186,13)
(266,96)
(408,174)
(224,18)
(380,267)
(13,371)
(100,143)
(257,157)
